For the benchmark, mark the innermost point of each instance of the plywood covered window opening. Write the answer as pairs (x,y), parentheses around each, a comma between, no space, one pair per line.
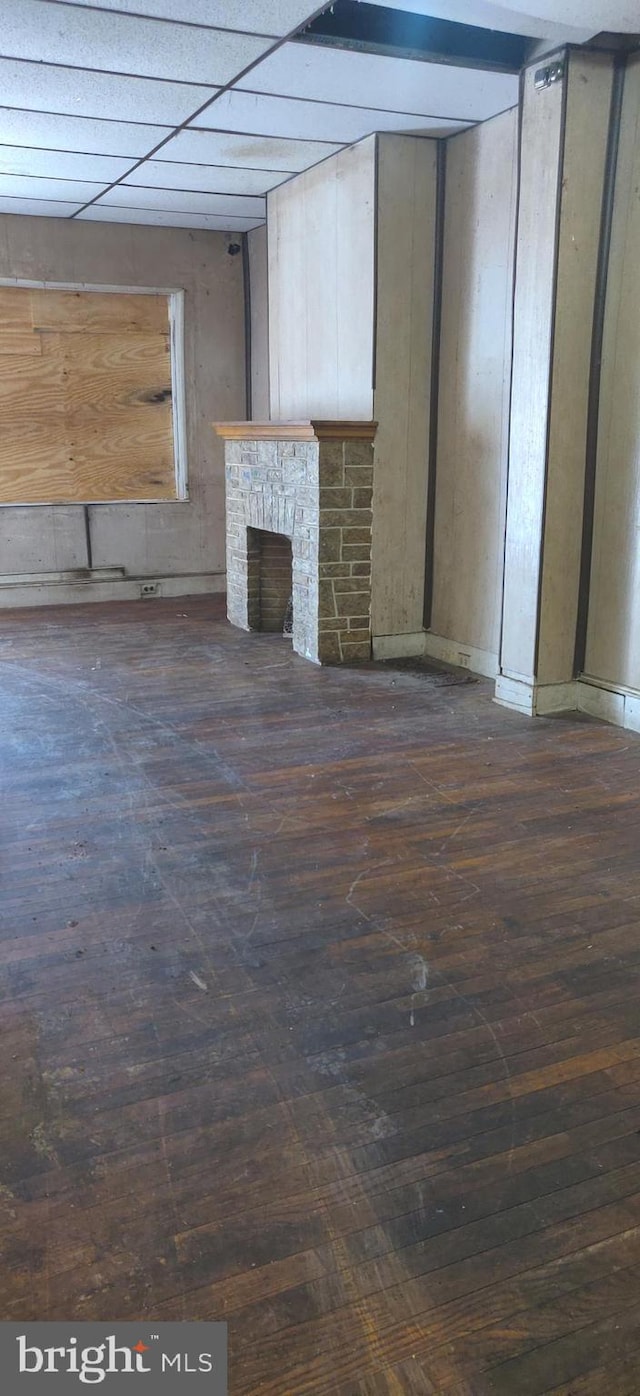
(91,402)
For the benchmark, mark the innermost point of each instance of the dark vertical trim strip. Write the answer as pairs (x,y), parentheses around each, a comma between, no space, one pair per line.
(552,339)
(511,358)
(246,287)
(438,272)
(87,534)
(595,367)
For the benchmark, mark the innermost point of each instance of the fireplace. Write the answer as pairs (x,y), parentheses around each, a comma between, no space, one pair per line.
(269,580)
(299,496)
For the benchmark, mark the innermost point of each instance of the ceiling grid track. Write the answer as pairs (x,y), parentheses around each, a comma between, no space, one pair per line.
(131,115)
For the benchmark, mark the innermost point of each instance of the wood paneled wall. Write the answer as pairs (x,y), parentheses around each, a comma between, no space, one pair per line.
(85,397)
(542,119)
(321,231)
(180,538)
(590,78)
(475,357)
(406,224)
(351,266)
(564,144)
(321,228)
(613,647)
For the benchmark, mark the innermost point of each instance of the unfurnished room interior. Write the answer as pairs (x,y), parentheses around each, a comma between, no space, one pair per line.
(320,697)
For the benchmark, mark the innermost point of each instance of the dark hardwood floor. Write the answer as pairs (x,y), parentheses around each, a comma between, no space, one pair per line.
(319,1012)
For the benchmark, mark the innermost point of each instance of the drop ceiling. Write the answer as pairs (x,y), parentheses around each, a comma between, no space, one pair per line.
(187,112)
(564,21)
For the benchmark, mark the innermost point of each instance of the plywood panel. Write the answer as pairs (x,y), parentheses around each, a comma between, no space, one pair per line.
(321,289)
(73,460)
(35,461)
(75,312)
(26,308)
(406,214)
(17,341)
(15,309)
(30,387)
(123,456)
(17,335)
(107,372)
(113,355)
(613,648)
(91,419)
(475,355)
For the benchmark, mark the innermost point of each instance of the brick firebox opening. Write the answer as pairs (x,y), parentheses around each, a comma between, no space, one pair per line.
(270,579)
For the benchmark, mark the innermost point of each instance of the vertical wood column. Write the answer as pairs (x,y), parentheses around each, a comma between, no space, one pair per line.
(407,206)
(564,142)
(613,621)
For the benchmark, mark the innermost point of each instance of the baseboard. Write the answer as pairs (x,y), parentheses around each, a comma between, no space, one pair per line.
(424,642)
(619,706)
(461,656)
(535,699)
(17,592)
(399,646)
(556,698)
(516,694)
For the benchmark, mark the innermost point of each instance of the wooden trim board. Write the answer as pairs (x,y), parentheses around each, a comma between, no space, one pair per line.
(295,431)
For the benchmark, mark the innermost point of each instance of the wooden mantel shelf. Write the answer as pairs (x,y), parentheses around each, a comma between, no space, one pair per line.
(295,431)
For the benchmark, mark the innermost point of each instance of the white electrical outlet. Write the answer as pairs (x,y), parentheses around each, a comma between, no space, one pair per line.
(150,589)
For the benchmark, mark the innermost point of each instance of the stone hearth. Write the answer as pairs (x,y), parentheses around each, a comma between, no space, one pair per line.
(311,482)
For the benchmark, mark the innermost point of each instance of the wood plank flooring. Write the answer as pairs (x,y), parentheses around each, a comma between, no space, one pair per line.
(319,1010)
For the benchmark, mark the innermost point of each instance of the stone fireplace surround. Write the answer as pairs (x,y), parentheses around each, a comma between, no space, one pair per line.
(312,482)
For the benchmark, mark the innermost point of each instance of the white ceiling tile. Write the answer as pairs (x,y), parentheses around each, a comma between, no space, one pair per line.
(46,132)
(215,179)
(393,84)
(23,187)
(132,196)
(87,38)
(61,164)
(42,88)
(288,118)
(41,208)
(99,213)
(224,148)
(617,16)
(276,17)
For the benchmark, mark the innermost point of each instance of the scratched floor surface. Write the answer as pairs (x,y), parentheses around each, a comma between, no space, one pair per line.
(319,1013)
